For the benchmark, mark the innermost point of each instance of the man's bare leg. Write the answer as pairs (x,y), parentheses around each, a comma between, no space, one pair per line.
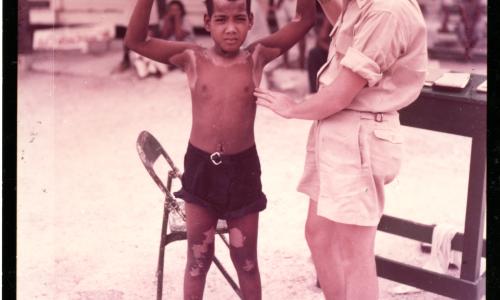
(357,253)
(320,237)
(344,258)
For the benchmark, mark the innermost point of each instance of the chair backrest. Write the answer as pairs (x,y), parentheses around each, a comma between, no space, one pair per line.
(150,150)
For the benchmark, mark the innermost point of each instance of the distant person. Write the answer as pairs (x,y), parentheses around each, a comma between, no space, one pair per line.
(468,30)
(221,177)
(125,62)
(447,7)
(317,55)
(272,20)
(174,27)
(376,66)
(260,28)
(284,13)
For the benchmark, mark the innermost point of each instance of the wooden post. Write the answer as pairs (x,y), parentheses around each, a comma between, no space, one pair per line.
(25,36)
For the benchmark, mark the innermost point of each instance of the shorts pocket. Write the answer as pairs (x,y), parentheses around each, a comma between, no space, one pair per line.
(390,135)
(385,153)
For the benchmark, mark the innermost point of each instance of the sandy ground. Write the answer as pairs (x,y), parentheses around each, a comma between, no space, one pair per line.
(89,216)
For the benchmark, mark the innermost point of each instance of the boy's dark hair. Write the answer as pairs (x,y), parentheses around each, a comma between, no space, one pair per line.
(210,6)
(180,4)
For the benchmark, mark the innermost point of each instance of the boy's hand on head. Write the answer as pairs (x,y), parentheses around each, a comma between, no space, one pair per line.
(280,103)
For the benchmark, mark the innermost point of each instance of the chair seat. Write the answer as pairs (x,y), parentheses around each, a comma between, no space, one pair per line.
(177,224)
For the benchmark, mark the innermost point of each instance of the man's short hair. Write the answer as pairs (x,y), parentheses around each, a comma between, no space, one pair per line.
(210,6)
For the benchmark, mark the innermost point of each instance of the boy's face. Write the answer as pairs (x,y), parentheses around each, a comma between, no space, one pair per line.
(229,24)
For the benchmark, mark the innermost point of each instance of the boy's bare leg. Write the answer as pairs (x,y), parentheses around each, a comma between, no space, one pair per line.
(200,226)
(346,261)
(243,240)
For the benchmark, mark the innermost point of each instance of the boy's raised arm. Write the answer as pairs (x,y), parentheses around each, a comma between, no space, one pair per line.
(137,38)
(283,39)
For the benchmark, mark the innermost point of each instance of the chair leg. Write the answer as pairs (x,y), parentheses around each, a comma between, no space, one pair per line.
(223,238)
(228,277)
(161,255)
(159,274)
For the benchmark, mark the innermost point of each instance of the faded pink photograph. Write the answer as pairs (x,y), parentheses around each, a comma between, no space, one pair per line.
(251,149)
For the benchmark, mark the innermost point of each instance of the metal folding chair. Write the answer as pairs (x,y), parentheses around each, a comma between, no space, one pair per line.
(150,151)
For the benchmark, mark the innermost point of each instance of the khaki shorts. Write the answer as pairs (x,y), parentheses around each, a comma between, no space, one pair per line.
(350,157)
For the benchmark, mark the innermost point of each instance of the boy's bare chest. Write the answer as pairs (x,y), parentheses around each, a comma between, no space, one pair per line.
(225,82)
(223,79)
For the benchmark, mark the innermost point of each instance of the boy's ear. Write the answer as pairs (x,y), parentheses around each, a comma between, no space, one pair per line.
(250,20)
(206,21)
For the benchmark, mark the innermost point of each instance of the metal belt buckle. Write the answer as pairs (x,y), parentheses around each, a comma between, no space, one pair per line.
(216,158)
(379,117)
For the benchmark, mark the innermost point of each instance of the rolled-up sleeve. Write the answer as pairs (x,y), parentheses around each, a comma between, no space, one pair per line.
(362,65)
(377,43)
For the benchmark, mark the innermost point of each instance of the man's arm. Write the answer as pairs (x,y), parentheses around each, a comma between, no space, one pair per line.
(157,49)
(326,102)
(279,42)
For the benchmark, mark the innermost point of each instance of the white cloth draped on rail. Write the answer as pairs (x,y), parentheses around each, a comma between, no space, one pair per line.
(441,255)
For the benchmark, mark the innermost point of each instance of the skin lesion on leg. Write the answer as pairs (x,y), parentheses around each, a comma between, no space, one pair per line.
(201,261)
(239,253)
(200,249)
(242,253)
(237,239)
(200,226)
(243,261)
(249,265)
(195,271)
(243,248)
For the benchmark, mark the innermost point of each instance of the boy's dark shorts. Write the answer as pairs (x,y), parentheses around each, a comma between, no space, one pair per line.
(231,189)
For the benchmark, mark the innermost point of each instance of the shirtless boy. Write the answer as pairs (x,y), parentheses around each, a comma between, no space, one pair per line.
(221,167)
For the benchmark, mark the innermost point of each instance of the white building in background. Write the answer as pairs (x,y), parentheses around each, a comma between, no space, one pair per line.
(90,25)
(117,12)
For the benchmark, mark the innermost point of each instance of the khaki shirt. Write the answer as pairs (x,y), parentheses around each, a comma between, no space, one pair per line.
(385,42)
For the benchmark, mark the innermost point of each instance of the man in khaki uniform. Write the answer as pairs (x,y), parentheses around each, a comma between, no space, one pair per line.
(376,65)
